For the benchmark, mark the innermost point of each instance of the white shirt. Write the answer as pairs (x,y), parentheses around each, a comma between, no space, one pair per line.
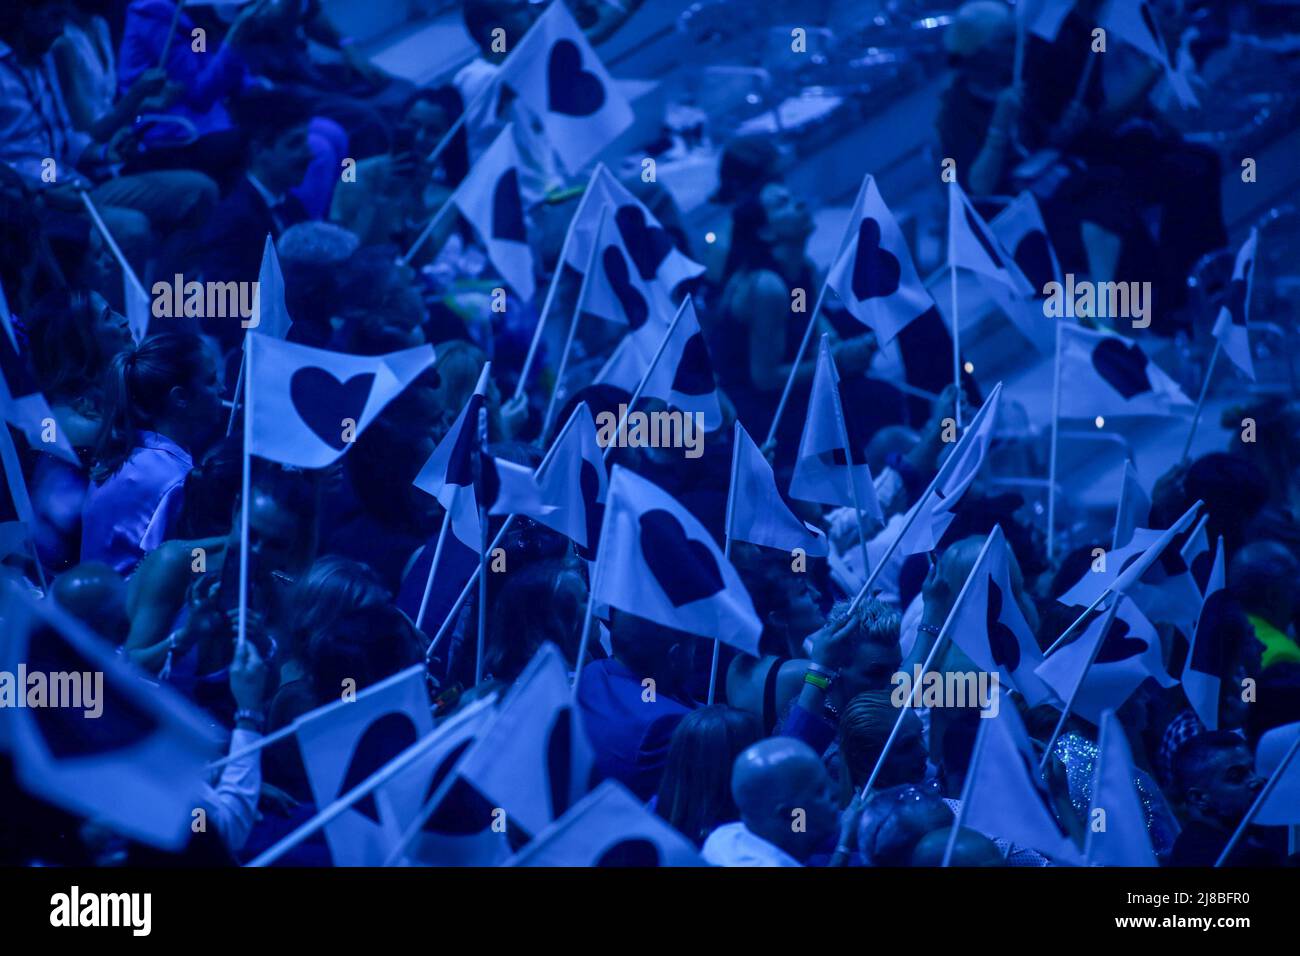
(733,844)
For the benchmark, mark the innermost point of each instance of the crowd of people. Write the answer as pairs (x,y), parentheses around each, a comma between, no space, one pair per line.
(197,130)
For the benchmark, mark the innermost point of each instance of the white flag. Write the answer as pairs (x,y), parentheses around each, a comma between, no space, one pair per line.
(758,513)
(270,314)
(1117,825)
(574,481)
(490,201)
(448,475)
(973,245)
(308,405)
(1282,807)
(657,561)
(1133,507)
(1019,227)
(874,275)
(1208,658)
(1230,328)
(1105,374)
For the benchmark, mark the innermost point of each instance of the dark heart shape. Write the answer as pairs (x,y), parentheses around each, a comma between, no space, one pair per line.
(647,245)
(323,402)
(694,371)
(634,305)
(463,811)
(977,229)
(636,853)
(490,484)
(507,210)
(384,739)
(589,483)
(460,464)
(1122,366)
(1118,646)
(1002,640)
(1237,291)
(684,568)
(1202,564)
(559,761)
(1213,654)
(66,731)
(876,271)
(1034,257)
(571,89)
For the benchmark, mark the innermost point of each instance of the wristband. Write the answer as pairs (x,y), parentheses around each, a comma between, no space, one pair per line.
(816,680)
(928,629)
(823,671)
(252,716)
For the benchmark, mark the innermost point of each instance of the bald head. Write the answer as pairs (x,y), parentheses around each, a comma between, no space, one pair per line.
(784,795)
(1263,576)
(95,594)
(971,849)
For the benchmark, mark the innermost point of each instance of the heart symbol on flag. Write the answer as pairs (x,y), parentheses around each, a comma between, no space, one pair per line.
(460,463)
(593,510)
(875,270)
(65,731)
(977,230)
(1034,258)
(463,811)
(507,212)
(1212,653)
(639,853)
(571,89)
(1002,640)
(1122,366)
(1118,646)
(684,568)
(694,371)
(1237,289)
(384,739)
(634,304)
(647,245)
(323,402)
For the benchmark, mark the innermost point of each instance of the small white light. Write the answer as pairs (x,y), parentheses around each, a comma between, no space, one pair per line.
(969,367)
(710,237)
(1101,422)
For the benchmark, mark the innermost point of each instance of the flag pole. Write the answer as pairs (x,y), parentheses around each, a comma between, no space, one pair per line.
(956,345)
(591,601)
(1074,692)
(848,452)
(645,377)
(18,491)
(1264,794)
(966,786)
(171,33)
(426,232)
(245,495)
(482,557)
(1019,69)
(1051,467)
(113,247)
(554,285)
(726,545)
(1200,402)
(433,571)
(573,323)
(939,642)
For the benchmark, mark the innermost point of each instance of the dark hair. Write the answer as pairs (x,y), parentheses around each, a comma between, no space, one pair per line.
(363,645)
(333,587)
(747,165)
(65,350)
(264,116)
(1277,701)
(137,387)
(1196,754)
(748,252)
(865,725)
(695,794)
(455,158)
(524,615)
(211,489)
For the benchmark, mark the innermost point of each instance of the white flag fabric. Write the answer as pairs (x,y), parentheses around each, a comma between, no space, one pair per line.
(490,200)
(559,78)
(608,827)
(459,831)
(1123,840)
(1133,508)
(574,482)
(120,750)
(1129,653)
(344,743)
(1005,796)
(448,475)
(653,256)
(758,513)
(304,398)
(1196,553)
(534,760)
(986,623)
(510,488)
(657,561)
(1019,227)
(1230,327)
(1044,17)
(1105,374)
(825,471)
(138,308)
(270,314)
(1207,658)
(22,403)
(1282,808)
(682,378)
(16,517)
(973,245)
(874,275)
(1134,23)
(615,289)
(956,474)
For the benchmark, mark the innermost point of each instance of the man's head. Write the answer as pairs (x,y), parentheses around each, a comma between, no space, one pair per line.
(979,42)
(785,796)
(873,655)
(1265,577)
(865,725)
(1215,777)
(274,124)
(95,594)
(971,849)
(652,650)
(482,17)
(30,27)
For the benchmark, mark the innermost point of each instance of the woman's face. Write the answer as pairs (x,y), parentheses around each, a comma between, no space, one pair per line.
(204,410)
(110,330)
(788,218)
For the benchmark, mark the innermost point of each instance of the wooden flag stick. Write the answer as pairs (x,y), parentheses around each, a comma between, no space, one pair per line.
(1264,794)
(1051,466)
(966,787)
(171,34)
(939,642)
(113,247)
(244,502)
(439,217)
(1074,693)
(956,345)
(483,551)
(645,377)
(726,545)
(1200,401)
(591,600)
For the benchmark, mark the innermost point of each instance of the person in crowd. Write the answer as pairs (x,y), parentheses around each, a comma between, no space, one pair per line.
(695,795)
(1265,577)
